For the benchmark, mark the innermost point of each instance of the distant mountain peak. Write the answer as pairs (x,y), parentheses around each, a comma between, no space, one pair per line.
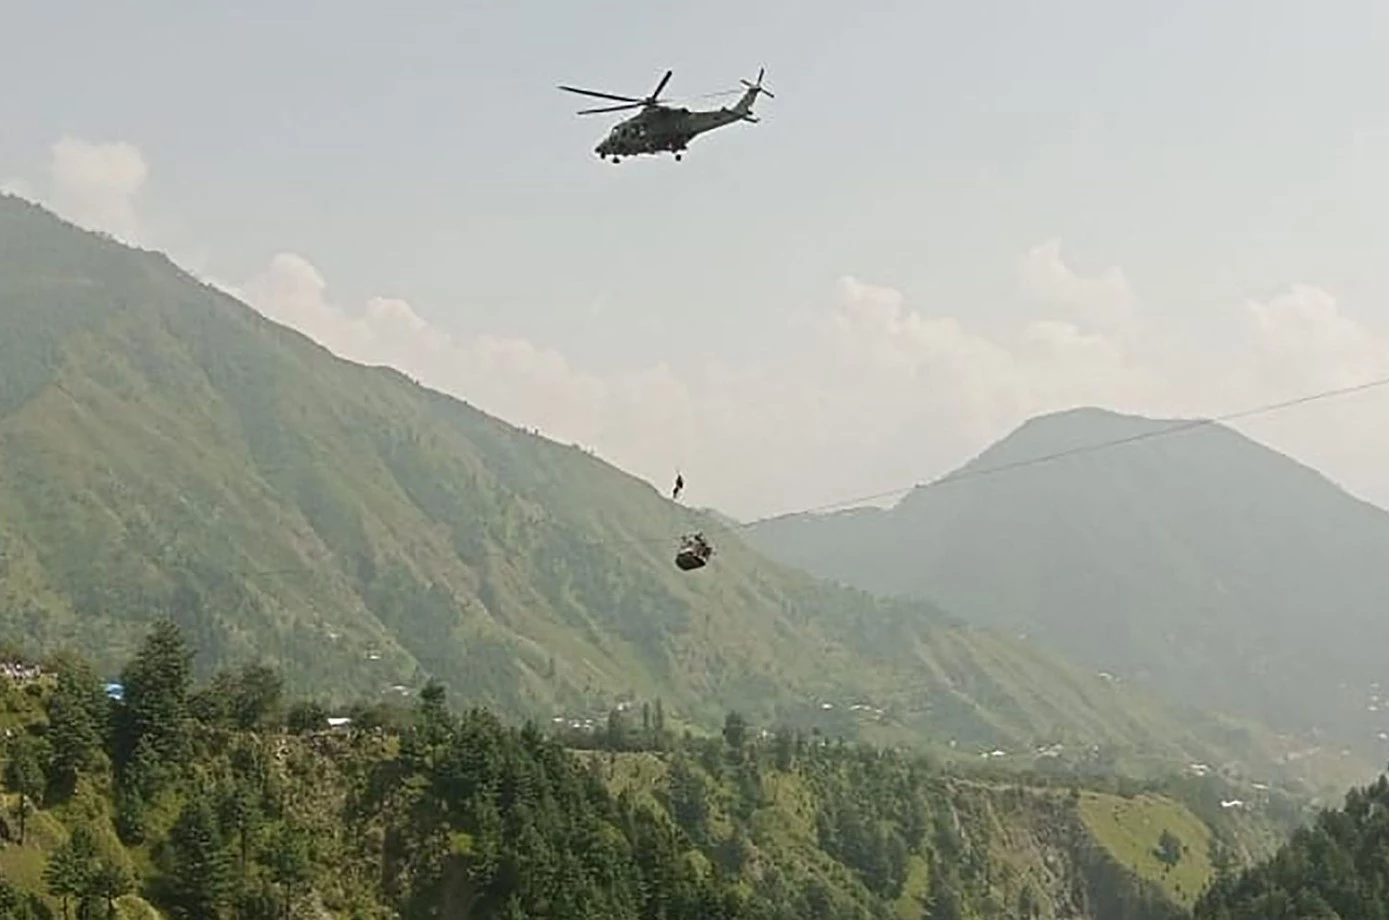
(1234,575)
(1101,415)
(1095,423)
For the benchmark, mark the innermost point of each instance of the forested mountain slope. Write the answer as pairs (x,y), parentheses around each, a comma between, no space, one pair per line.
(223,799)
(1337,866)
(166,450)
(1200,564)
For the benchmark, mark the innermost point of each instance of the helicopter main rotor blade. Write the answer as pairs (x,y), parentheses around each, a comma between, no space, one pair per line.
(660,86)
(612,108)
(598,95)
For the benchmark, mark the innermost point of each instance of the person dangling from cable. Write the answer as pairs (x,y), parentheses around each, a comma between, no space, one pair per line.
(679,487)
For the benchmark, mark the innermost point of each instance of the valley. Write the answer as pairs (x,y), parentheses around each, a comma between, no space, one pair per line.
(333,601)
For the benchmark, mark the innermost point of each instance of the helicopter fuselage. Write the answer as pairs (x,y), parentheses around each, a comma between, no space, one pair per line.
(660,130)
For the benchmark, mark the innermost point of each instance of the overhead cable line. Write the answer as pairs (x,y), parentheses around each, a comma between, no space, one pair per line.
(1186,425)
(979,472)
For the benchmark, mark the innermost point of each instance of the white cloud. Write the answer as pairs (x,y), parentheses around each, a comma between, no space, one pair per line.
(1300,342)
(524,383)
(1305,343)
(872,394)
(877,395)
(1105,301)
(98,185)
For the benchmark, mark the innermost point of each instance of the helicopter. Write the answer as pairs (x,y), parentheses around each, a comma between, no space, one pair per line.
(659,128)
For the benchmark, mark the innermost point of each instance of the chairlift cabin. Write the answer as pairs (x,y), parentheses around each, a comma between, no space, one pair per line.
(694,553)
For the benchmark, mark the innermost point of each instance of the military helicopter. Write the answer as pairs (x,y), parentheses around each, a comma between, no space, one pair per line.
(659,128)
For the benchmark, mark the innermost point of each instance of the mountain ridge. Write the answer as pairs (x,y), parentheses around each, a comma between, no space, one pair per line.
(165,450)
(1200,563)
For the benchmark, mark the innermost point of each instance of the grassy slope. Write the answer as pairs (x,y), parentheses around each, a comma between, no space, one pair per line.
(166,450)
(1130,828)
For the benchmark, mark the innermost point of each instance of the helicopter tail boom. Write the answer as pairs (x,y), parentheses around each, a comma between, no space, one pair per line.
(743,107)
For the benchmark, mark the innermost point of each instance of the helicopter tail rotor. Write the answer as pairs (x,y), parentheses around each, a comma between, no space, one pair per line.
(757,87)
(745,104)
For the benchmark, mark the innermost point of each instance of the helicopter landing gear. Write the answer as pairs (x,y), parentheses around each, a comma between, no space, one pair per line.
(677,157)
(617,159)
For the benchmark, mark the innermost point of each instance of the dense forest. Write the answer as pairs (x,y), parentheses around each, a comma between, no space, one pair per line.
(175,798)
(1338,866)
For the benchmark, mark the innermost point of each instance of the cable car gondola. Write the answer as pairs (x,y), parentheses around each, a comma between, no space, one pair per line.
(694,553)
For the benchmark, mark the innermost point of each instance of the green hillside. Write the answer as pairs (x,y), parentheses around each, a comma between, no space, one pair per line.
(234,802)
(1199,564)
(167,451)
(1336,866)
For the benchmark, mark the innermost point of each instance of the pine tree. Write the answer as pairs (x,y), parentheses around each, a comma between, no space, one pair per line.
(73,867)
(201,873)
(783,749)
(616,739)
(289,858)
(239,812)
(155,705)
(257,698)
(24,775)
(77,712)
(735,731)
(112,879)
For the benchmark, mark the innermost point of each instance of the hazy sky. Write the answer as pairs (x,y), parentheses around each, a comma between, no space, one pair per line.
(951,217)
